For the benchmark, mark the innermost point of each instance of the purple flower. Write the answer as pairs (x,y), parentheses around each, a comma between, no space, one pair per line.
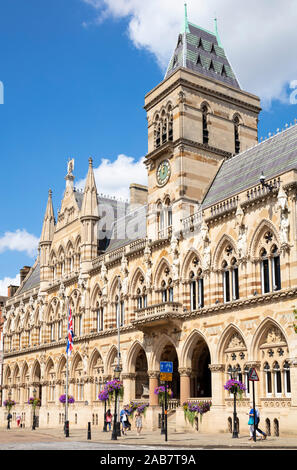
(103,395)
(62,399)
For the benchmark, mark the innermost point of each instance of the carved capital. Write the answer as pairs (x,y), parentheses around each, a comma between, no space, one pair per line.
(153,374)
(217,367)
(184,372)
(129,376)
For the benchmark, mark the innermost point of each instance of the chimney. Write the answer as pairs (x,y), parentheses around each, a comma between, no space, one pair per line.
(11,290)
(23,273)
(138,194)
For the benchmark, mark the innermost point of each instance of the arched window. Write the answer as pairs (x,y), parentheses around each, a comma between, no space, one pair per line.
(164,214)
(167,291)
(268,383)
(163,127)
(196,286)
(287,379)
(204,110)
(230,277)
(277,380)
(99,318)
(141,298)
(270,271)
(236,134)
(120,312)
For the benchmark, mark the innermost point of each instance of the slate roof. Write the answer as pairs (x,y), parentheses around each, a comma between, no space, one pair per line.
(273,157)
(200,51)
(32,279)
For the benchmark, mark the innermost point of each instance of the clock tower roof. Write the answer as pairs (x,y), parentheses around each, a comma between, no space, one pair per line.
(201,51)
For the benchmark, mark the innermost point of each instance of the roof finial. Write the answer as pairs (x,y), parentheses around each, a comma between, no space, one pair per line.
(217,32)
(186,23)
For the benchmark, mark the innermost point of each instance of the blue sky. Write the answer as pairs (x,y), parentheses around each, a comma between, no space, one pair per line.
(74,85)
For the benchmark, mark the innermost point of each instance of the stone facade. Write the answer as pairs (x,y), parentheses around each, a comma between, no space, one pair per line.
(210,286)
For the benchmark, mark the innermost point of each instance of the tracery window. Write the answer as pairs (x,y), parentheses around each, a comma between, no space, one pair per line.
(196,286)
(141,296)
(230,277)
(164,218)
(205,132)
(270,266)
(163,127)
(120,311)
(167,290)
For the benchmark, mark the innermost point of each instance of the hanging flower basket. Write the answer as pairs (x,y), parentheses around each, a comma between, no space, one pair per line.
(133,407)
(34,402)
(62,399)
(103,395)
(9,404)
(112,386)
(193,410)
(160,391)
(235,387)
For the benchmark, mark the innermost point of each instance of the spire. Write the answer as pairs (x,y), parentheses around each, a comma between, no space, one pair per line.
(48,227)
(90,204)
(217,33)
(186,28)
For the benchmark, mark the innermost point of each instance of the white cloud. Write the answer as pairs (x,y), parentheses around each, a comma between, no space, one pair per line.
(7,281)
(20,240)
(114,178)
(259,37)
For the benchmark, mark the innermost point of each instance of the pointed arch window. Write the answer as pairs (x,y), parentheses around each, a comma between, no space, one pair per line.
(268,382)
(205,133)
(100,319)
(275,268)
(196,287)
(287,379)
(230,279)
(236,134)
(120,312)
(277,379)
(167,291)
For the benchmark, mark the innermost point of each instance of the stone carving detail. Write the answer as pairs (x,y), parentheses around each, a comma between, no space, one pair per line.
(175,257)
(274,335)
(206,258)
(125,273)
(235,342)
(282,207)
(104,279)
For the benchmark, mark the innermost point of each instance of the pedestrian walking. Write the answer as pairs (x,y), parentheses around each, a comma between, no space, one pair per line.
(257,421)
(124,420)
(138,422)
(108,419)
(251,423)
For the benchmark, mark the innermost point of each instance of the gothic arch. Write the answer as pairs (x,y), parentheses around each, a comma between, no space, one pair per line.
(60,365)
(36,371)
(190,256)
(154,360)
(109,361)
(223,243)
(77,358)
(48,366)
(136,277)
(132,354)
(95,356)
(162,265)
(189,346)
(262,331)
(225,338)
(94,294)
(255,244)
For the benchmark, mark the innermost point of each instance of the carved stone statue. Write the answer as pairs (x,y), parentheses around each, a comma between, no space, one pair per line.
(282,206)
(70,166)
(125,273)
(242,242)
(206,257)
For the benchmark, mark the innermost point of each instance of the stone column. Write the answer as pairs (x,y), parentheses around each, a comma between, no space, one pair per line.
(185,384)
(217,384)
(153,383)
(129,387)
(293,377)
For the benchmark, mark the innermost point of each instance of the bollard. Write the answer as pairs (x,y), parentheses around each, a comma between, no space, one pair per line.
(89,430)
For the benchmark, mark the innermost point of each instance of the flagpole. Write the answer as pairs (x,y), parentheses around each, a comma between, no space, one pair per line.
(67,355)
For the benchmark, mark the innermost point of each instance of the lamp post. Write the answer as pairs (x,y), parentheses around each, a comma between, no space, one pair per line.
(34,406)
(114,435)
(234,371)
(105,423)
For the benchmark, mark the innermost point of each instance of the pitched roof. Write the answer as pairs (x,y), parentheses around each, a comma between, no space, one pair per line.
(273,157)
(32,279)
(201,51)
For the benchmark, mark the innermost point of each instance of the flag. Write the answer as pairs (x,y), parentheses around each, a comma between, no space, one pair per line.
(69,334)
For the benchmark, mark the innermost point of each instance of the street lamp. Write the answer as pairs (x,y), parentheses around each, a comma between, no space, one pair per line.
(234,370)
(8,418)
(34,406)
(114,435)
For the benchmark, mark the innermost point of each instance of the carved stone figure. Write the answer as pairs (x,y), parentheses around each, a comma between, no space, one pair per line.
(284,228)
(242,242)
(274,335)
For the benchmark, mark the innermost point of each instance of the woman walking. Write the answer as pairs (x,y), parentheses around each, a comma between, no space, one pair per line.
(108,419)
(138,422)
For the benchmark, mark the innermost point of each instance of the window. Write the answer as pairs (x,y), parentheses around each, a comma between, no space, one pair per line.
(270,265)
(204,124)
(277,379)
(268,382)
(196,289)
(265,272)
(275,268)
(100,319)
(164,214)
(163,126)
(120,312)
(230,278)
(236,134)
(287,379)
(167,291)
(60,329)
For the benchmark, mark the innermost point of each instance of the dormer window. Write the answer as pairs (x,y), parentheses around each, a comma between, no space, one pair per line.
(199,60)
(211,66)
(180,40)
(224,73)
(200,43)
(213,51)
(174,61)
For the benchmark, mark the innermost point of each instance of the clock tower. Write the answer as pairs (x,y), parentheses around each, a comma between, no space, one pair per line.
(198,116)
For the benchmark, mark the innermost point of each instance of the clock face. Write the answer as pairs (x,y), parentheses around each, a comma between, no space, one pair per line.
(163,172)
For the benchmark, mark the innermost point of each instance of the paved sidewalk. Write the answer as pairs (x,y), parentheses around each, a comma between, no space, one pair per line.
(176,440)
